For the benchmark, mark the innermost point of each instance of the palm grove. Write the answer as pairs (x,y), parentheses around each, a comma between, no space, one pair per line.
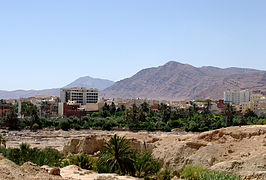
(135,118)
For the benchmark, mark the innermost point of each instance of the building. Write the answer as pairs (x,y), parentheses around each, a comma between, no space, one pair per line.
(77,100)
(73,109)
(256,105)
(4,108)
(236,96)
(80,95)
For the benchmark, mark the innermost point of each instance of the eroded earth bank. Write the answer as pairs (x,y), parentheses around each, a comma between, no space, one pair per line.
(241,150)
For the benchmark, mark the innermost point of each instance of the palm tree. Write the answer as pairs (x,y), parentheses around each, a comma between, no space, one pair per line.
(117,156)
(228,112)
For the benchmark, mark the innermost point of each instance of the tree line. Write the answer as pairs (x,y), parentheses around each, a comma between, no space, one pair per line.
(135,118)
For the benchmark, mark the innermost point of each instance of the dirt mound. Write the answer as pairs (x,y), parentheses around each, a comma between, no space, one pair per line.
(28,171)
(241,150)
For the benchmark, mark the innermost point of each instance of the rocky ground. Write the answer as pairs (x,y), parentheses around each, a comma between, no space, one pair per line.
(241,150)
(30,171)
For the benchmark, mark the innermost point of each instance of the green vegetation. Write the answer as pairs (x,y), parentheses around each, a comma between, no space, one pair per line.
(145,165)
(83,161)
(198,173)
(25,153)
(135,118)
(116,156)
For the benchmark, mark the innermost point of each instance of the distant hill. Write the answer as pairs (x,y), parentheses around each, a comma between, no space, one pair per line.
(177,81)
(27,93)
(90,82)
(86,81)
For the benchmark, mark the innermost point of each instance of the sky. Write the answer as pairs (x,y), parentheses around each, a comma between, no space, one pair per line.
(50,43)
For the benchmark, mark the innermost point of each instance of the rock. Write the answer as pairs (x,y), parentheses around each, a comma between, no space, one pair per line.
(55,171)
(88,145)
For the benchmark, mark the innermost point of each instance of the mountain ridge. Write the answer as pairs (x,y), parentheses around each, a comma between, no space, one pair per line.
(177,81)
(171,81)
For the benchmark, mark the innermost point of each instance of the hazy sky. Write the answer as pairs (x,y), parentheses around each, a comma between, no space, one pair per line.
(50,43)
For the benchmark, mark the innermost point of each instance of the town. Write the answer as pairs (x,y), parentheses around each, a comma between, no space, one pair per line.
(77,101)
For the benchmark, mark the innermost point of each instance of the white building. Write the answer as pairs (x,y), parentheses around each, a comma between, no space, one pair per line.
(236,96)
(80,95)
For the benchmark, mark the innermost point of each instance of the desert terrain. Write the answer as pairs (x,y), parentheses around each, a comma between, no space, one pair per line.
(241,150)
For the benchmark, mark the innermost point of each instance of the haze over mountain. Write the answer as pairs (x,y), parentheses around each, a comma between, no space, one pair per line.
(177,81)
(86,81)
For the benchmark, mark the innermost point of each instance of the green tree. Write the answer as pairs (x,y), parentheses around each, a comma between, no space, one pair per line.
(10,120)
(116,155)
(144,107)
(27,109)
(228,113)
(112,108)
(250,113)
(145,165)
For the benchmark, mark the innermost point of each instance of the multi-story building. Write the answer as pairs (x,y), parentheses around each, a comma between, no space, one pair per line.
(257,104)
(236,96)
(80,95)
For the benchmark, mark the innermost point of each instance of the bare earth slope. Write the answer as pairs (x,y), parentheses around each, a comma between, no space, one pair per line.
(176,81)
(241,150)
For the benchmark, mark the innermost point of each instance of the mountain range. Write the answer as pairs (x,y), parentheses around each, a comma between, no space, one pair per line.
(171,81)
(177,81)
(85,81)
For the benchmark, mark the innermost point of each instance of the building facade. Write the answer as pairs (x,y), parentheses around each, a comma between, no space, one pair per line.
(80,95)
(236,96)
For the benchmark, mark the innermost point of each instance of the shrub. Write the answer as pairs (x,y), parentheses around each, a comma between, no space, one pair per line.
(261,122)
(165,174)
(85,162)
(145,165)
(35,126)
(47,156)
(64,124)
(198,173)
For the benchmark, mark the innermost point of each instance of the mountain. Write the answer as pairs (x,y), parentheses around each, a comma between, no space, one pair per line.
(27,93)
(90,82)
(86,81)
(177,81)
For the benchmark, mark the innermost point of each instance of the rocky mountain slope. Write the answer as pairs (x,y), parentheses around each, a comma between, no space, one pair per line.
(176,81)
(86,81)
